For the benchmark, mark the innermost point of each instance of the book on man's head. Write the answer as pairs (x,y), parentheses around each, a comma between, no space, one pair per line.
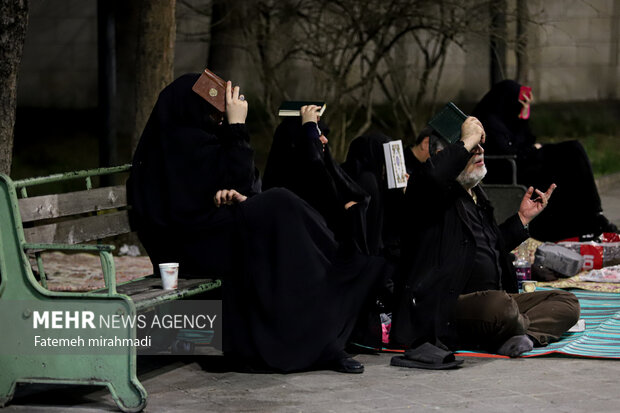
(212,88)
(293,108)
(395,164)
(447,122)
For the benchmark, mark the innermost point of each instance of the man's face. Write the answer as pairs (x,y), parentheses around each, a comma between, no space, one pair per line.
(474,171)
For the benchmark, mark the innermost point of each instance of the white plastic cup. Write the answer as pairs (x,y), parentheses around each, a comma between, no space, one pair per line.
(169,275)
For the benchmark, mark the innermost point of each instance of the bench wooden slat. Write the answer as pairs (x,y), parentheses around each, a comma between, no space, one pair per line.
(80,230)
(71,203)
(150,287)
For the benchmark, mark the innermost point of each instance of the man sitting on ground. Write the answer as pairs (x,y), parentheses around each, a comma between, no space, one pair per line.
(456,285)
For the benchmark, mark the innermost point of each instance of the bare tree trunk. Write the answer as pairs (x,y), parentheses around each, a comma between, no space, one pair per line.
(106,45)
(13,25)
(523,63)
(154,57)
(498,40)
(218,58)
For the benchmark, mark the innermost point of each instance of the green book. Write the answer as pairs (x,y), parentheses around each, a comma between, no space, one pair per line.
(447,122)
(293,108)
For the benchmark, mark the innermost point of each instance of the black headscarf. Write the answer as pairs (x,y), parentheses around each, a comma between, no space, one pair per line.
(183,158)
(499,113)
(366,155)
(299,162)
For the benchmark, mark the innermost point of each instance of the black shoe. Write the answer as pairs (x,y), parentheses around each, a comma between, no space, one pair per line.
(348,365)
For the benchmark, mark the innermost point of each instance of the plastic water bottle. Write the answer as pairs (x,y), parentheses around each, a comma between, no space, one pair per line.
(523,269)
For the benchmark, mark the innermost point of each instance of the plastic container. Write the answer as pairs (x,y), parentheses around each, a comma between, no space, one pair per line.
(523,268)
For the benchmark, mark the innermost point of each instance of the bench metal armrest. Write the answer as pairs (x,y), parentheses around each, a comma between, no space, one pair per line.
(107,261)
(512,159)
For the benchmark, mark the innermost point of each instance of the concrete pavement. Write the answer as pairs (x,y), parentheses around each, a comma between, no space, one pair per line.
(543,384)
(609,190)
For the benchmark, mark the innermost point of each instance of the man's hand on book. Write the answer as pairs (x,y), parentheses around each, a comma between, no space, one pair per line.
(472,133)
(236,105)
(227,197)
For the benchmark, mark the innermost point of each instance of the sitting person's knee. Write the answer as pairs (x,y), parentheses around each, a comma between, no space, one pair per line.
(568,304)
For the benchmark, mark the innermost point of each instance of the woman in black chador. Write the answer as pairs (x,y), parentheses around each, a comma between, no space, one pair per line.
(365,164)
(300,160)
(288,304)
(575,208)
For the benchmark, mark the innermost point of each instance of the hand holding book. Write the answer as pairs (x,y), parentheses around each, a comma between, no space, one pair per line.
(236,105)
(309,113)
(525,98)
(222,97)
(472,133)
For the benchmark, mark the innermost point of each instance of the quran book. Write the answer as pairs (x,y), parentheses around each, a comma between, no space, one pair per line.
(447,122)
(293,108)
(212,88)
(395,164)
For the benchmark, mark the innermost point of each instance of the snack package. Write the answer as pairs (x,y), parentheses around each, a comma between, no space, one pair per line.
(601,252)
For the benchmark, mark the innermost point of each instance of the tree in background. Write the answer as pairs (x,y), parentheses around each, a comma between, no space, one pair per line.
(523,61)
(146,32)
(360,56)
(13,25)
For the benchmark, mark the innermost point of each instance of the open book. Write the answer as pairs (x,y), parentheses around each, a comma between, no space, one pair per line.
(293,108)
(447,122)
(395,164)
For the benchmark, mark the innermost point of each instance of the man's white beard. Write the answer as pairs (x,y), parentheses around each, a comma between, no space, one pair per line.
(471,179)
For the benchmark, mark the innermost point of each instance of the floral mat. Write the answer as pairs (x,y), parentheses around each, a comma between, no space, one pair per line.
(576,281)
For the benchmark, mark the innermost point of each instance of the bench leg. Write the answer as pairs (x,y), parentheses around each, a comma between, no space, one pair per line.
(7,388)
(129,396)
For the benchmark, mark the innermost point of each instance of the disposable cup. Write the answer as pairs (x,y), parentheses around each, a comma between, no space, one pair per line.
(529,286)
(169,275)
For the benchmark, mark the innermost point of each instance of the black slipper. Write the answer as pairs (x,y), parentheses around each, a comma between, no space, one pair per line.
(427,356)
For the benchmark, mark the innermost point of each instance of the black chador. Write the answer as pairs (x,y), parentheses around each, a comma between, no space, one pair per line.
(289,301)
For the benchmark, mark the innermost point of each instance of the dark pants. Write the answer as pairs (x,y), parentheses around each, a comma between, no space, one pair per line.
(486,319)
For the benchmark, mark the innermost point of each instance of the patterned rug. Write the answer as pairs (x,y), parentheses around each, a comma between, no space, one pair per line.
(601,338)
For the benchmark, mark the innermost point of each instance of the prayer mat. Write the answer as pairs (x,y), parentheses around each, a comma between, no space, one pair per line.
(601,338)
(579,281)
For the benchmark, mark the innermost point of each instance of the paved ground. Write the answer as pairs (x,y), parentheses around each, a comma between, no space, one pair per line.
(542,384)
(611,203)
(547,384)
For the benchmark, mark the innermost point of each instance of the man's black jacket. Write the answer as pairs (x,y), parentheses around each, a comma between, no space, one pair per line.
(438,250)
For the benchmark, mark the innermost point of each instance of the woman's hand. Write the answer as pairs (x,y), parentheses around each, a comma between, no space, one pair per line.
(525,103)
(227,197)
(309,113)
(236,105)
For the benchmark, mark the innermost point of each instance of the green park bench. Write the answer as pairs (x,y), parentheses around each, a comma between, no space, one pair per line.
(71,221)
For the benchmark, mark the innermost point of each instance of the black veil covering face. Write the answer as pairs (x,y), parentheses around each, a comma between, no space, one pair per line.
(289,302)
(299,162)
(575,207)
(499,112)
(365,164)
